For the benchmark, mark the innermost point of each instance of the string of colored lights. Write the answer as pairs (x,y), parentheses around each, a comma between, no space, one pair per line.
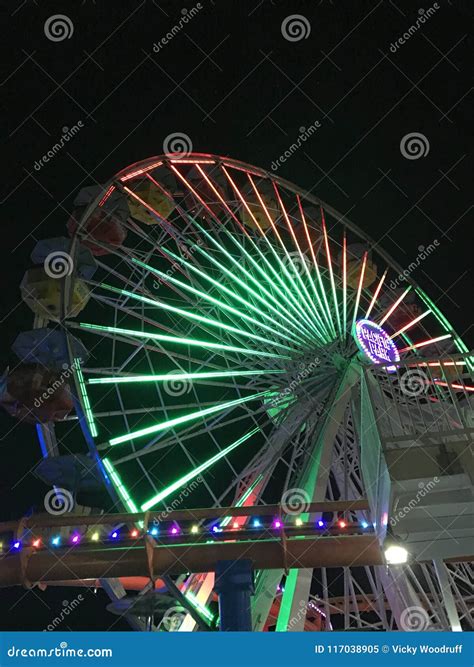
(263,528)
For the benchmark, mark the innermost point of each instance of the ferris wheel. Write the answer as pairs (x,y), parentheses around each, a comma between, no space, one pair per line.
(235,341)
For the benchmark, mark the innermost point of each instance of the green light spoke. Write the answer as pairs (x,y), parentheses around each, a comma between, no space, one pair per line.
(119,486)
(344,284)
(85,398)
(182,481)
(171,377)
(237,297)
(208,615)
(240,502)
(294,320)
(281,264)
(171,423)
(190,288)
(290,298)
(181,341)
(194,316)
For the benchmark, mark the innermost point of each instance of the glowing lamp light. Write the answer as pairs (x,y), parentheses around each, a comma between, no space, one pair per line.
(114,535)
(395,555)
(375,343)
(342,524)
(154,531)
(364,524)
(134,533)
(277,523)
(95,536)
(36,543)
(17,545)
(174,530)
(320,523)
(256,523)
(76,539)
(56,541)
(194,529)
(299,522)
(235,524)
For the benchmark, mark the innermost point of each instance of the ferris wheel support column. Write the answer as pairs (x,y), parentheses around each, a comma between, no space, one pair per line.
(448,597)
(234,585)
(314,481)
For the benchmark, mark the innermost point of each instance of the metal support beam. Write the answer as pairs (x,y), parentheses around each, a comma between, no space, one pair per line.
(234,585)
(448,597)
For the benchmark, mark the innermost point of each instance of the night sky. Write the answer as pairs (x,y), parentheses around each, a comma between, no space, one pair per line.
(232,82)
